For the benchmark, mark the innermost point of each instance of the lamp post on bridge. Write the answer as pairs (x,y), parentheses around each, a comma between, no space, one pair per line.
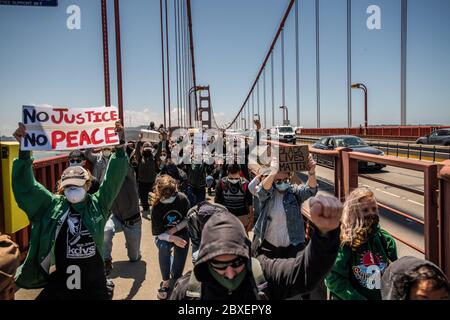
(285,118)
(364,88)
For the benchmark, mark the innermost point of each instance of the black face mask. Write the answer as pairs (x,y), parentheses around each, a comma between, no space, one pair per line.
(147,153)
(129,151)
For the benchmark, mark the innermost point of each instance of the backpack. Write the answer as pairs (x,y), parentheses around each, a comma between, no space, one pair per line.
(242,185)
(197,217)
(194,290)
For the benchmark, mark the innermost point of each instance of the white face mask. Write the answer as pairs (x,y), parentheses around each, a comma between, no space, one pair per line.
(282,186)
(169,200)
(106,153)
(163,158)
(75,194)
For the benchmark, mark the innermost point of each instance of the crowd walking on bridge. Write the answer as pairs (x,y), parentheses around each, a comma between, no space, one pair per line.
(251,243)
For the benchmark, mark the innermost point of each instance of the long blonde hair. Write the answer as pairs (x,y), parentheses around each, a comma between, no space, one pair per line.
(352,218)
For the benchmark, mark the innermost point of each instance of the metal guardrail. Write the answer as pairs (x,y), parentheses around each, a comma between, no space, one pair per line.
(432,153)
(437,246)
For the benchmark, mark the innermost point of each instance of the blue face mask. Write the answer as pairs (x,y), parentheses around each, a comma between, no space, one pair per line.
(282,186)
(169,200)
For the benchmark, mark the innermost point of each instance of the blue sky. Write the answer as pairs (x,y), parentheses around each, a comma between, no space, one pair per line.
(43,62)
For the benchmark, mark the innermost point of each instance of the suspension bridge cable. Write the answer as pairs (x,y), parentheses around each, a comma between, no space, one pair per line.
(175,9)
(265,100)
(162,60)
(283,21)
(273,91)
(283,85)
(168,63)
(318,61)
(297,64)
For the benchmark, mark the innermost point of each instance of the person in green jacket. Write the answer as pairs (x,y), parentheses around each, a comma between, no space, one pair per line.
(366,250)
(67,227)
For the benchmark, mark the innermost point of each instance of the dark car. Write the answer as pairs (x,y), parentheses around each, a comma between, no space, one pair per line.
(437,137)
(352,142)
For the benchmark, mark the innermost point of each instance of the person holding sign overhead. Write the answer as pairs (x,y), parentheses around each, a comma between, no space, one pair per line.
(68,226)
(279,230)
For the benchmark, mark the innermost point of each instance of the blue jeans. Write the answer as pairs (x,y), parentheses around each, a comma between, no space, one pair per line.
(132,238)
(196,195)
(168,266)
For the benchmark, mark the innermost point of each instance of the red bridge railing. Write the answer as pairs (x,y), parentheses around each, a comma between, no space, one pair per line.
(392,132)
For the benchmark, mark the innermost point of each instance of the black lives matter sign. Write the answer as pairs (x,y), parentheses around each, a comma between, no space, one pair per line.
(294,158)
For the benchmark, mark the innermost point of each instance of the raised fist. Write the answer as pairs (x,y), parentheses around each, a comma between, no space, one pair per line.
(325,212)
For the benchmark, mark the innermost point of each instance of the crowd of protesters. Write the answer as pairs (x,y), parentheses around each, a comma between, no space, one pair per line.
(249,242)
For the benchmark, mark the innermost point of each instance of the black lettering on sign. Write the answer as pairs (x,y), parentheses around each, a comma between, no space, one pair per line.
(35,139)
(293,159)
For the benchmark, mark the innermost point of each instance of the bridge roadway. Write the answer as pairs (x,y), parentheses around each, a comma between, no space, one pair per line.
(140,280)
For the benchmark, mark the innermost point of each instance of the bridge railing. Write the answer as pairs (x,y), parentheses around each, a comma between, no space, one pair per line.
(47,172)
(392,132)
(436,222)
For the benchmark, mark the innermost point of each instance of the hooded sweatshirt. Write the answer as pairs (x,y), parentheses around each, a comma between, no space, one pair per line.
(394,284)
(356,275)
(224,234)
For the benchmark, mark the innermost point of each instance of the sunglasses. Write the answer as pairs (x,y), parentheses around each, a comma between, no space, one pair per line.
(72,161)
(280,181)
(223,265)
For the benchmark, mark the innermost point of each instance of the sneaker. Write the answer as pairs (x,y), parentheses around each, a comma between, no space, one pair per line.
(108,267)
(162,292)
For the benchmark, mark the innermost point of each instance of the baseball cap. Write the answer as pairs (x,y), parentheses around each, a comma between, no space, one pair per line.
(76,154)
(74,176)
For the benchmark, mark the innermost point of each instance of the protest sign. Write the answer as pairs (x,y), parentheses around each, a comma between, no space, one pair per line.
(293,158)
(150,136)
(61,128)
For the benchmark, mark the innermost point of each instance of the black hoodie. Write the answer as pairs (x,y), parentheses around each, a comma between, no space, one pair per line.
(224,234)
(394,283)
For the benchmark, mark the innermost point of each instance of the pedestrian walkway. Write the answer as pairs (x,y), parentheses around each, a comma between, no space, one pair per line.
(133,280)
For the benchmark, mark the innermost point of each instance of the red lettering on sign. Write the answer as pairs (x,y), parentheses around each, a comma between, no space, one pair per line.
(114,116)
(72,139)
(84,138)
(104,116)
(111,136)
(93,137)
(57,136)
(89,113)
(80,118)
(61,112)
(97,117)
(69,118)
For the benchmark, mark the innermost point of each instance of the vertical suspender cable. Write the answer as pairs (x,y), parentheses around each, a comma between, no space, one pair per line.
(273,91)
(265,100)
(404,33)
(349,63)
(162,60)
(175,10)
(297,64)
(118,60)
(318,62)
(168,62)
(259,110)
(105,53)
(283,88)
(253,108)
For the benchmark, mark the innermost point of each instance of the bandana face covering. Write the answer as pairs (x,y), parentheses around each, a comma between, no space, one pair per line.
(229,284)
(363,234)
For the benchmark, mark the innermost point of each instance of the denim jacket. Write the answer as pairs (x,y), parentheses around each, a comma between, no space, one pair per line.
(292,200)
